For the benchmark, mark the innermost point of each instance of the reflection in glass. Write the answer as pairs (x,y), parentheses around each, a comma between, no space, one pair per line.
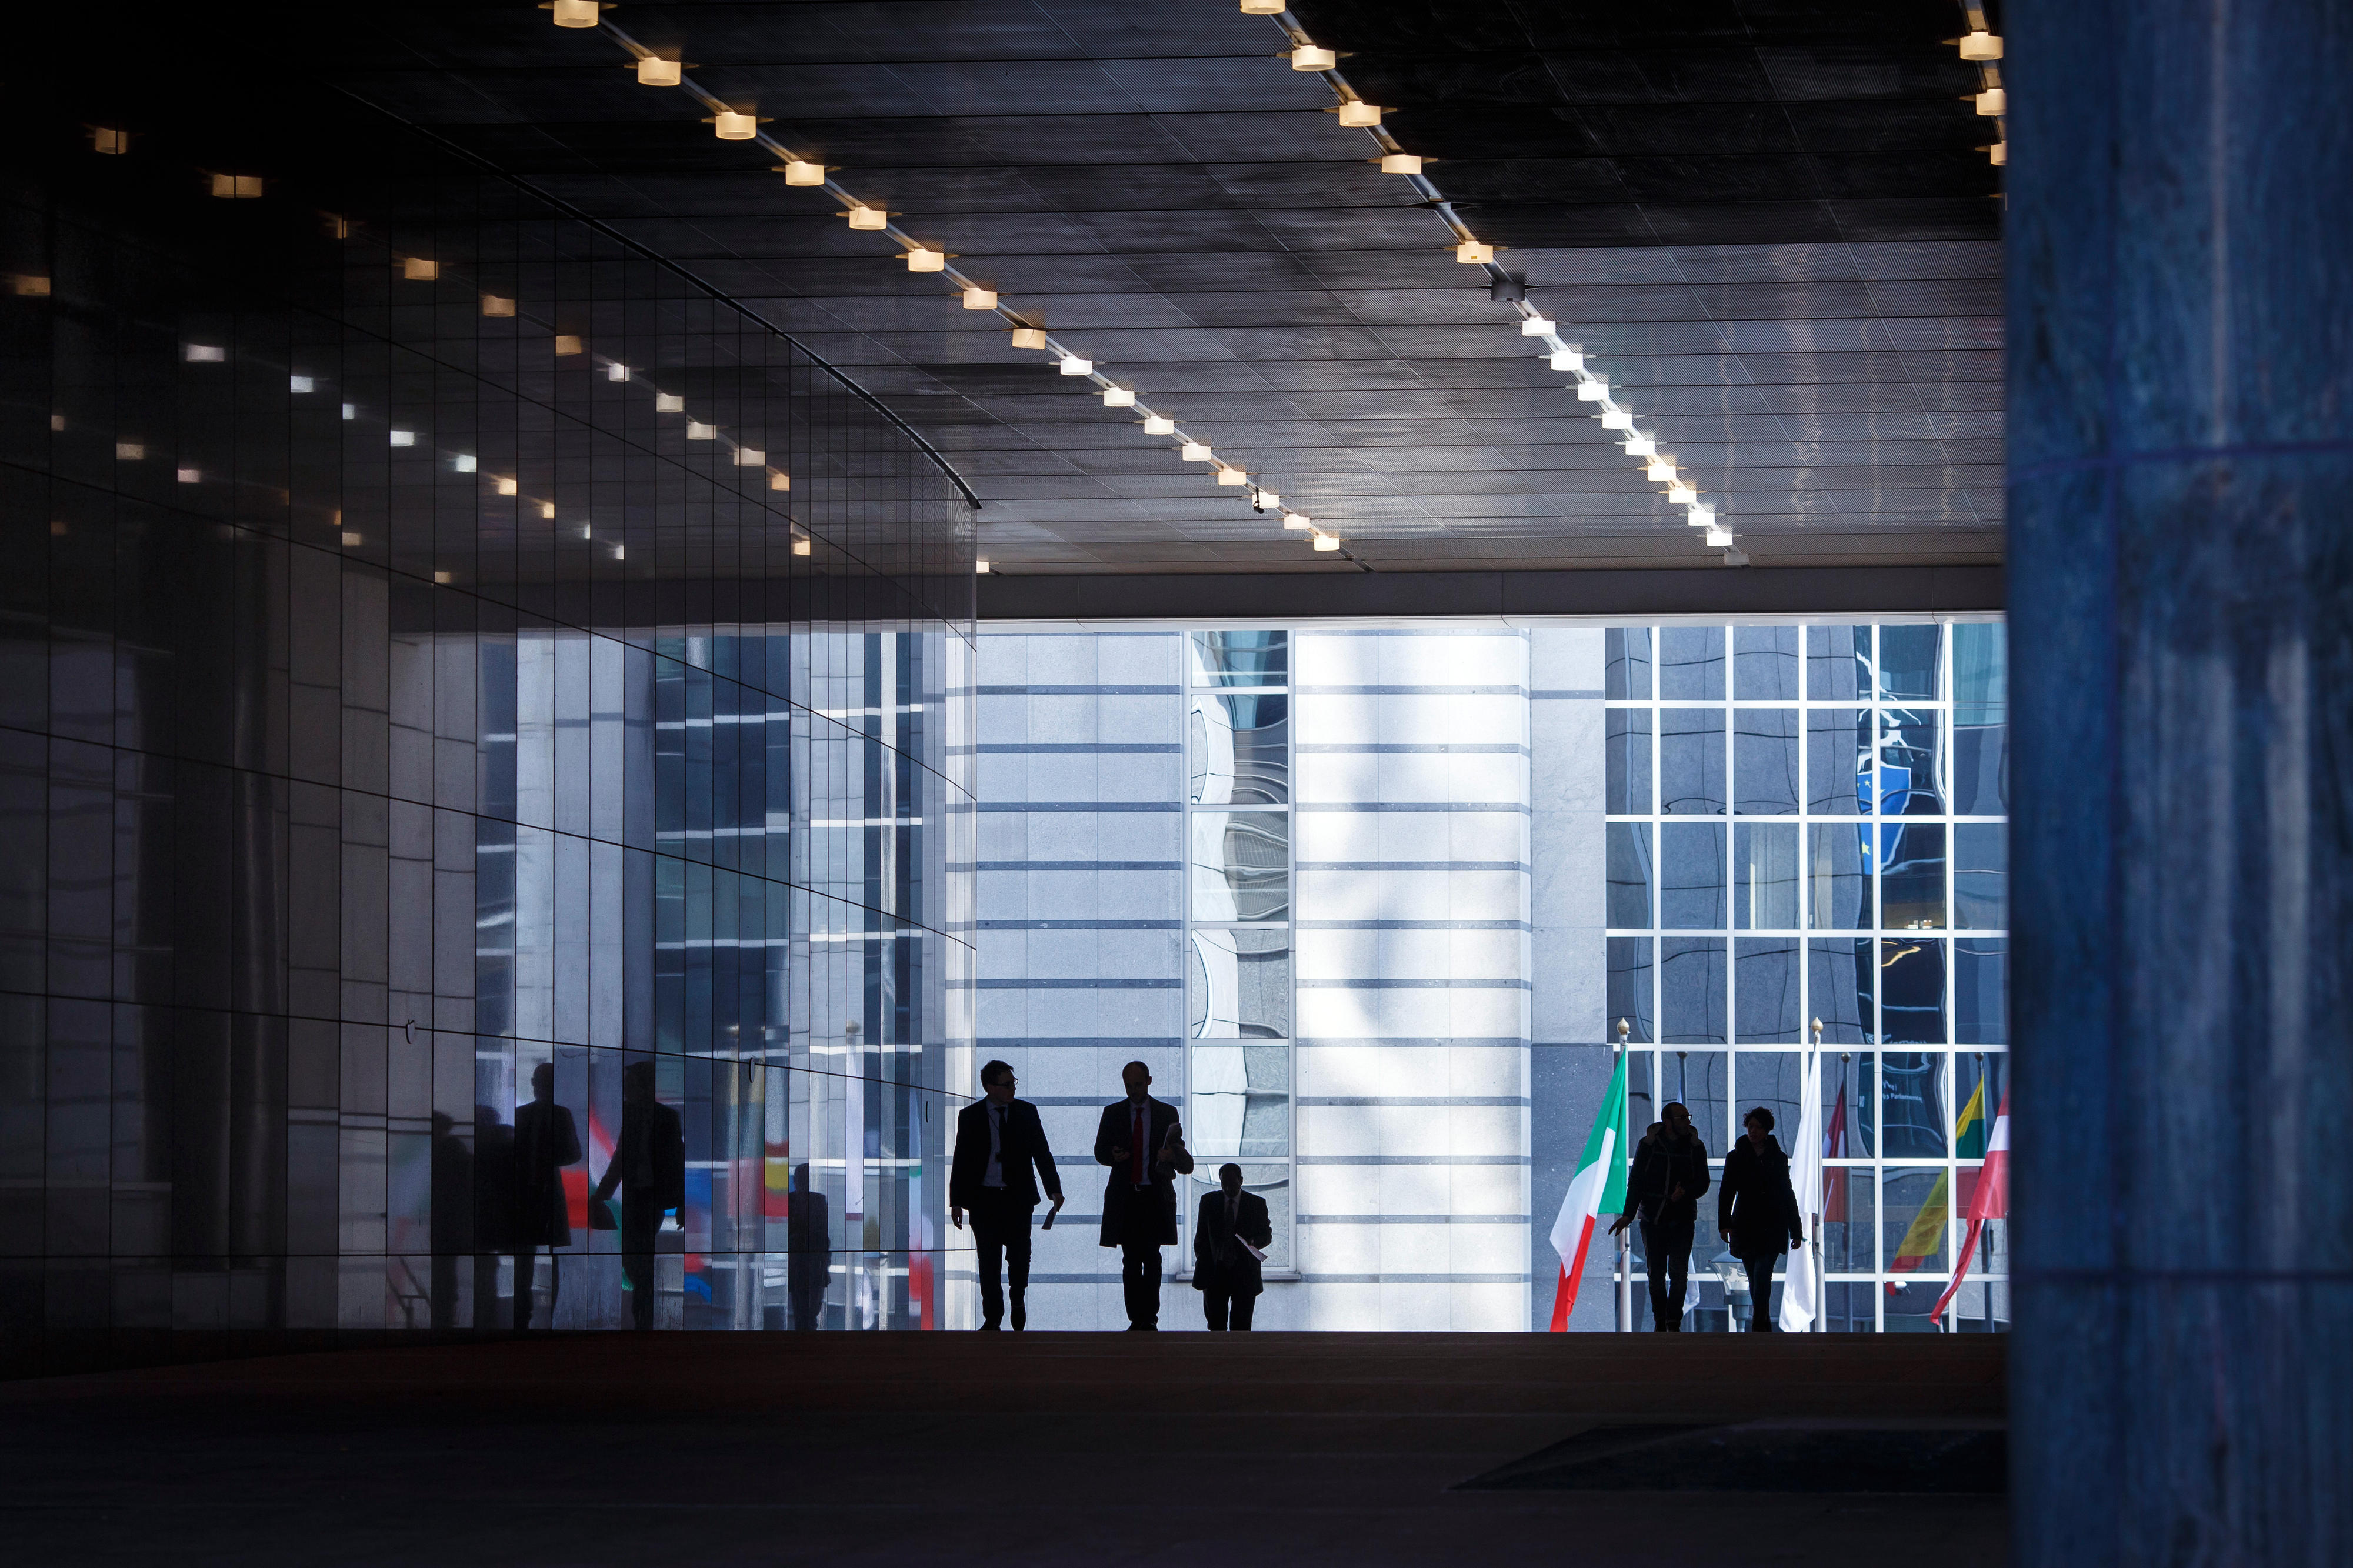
(1838,875)
(1911,876)
(1918,1209)
(1240,983)
(1626,663)
(1980,721)
(1850,1106)
(1837,762)
(1838,664)
(1239,745)
(1912,1103)
(1765,992)
(1842,977)
(1242,658)
(1909,776)
(1912,990)
(1909,662)
(1628,872)
(1691,761)
(1776,1081)
(1981,990)
(1630,987)
(1764,876)
(1764,664)
(1241,1101)
(1849,1223)
(1627,788)
(1981,876)
(1698,1079)
(1691,990)
(1973,1118)
(1691,875)
(1691,664)
(1765,762)
(1241,866)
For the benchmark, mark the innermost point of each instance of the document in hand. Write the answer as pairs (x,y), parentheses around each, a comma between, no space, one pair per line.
(1176,1135)
(1253,1251)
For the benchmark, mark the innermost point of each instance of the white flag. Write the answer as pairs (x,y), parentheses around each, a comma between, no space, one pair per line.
(1801,1291)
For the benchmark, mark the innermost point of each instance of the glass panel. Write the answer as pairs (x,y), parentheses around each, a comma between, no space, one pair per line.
(1242,658)
(1838,877)
(1691,761)
(1643,1102)
(1838,664)
(1241,866)
(1981,876)
(1765,992)
(1848,1204)
(1981,991)
(1239,985)
(1908,662)
(1837,762)
(1980,726)
(1241,1101)
(1691,875)
(1840,978)
(1764,876)
(1765,762)
(1764,664)
(1626,663)
(1773,1081)
(1691,664)
(1850,1109)
(1240,747)
(1912,990)
(1628,786)
(1911,876)
(1919,1206)
(1630,875)
(1697,1079)
(1691,990)
(1908,774)
(1912,1104)
(1629,988)
(1973,1120)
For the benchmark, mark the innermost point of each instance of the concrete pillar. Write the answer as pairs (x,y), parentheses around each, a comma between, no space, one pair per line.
(2180,268)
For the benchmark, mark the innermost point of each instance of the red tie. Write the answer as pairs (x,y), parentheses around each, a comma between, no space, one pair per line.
(1139,1145)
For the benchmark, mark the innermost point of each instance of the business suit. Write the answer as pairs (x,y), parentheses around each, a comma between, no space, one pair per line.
(1227,1276)
(1000,1212)
(1757,1211)
(1663,1162)
(648,1164)
(1139,1215)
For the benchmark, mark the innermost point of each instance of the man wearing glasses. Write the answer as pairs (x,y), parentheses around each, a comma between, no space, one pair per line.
(1001,1160)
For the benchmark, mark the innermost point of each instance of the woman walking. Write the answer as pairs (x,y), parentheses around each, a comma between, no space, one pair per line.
(1757,1211)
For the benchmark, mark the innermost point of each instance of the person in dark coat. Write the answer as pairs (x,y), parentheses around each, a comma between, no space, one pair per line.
(546,1140)
(1142,1142)
(1757,1211)
(649,1165)
(1225,1271)
(1001,1160)
(809,1243)
(1663,1192)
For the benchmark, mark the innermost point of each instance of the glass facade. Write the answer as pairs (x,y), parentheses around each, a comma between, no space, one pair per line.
(1807,823)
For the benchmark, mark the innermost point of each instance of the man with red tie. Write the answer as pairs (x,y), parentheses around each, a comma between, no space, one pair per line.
(1143,1146)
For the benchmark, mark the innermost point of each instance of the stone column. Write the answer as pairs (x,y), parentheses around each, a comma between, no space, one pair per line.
(2181,266)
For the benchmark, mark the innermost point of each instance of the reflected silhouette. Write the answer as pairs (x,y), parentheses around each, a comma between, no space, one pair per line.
(546,1140)
(493,1208)
(808,1232)
(649,1165)
(453,1215)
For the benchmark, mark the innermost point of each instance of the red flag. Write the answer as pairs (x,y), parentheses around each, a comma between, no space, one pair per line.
(1989,1200)
(1834,1148)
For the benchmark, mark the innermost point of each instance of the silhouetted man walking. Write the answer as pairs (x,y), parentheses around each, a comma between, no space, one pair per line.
(1001,1160)
(1141,1141)
(546,1140)
(1757,1211)
(1230,1236)
(1663,1189)
(648,1164)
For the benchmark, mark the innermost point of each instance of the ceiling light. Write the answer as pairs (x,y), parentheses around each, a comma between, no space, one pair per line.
(493,305)
(750,458)
(1999,151)
(1641,446)
(1159,425)
(1680,495)
(191,476)
(655,72)
(1029,337)
(980,298)
(417,269)
(779,480)
(351,410)
(1700,516)
(1263,8)
(1074,365)
(351,540)
(206,353)
(1118,398)
(300,383)
(107,140)
(1270,499)
(1980,46)
(617,371)
(923,260)
(1992,101)
(547,509)
(801,171)
(868,217)
(696,430)
(442,578)
(574,13)
(1363,116)
(1308,57)
(402,437)
(464,463)
(131,451)
(1400,164)
(1567,358)
(236,187)
(1592,391)
(566,344)
(800,544)
(981,567)
(1536,326)
(1719,539)
(1472,253)
(1297,519)
(1195,452)
(1327,541)
(1617,419)
(1660,472)
(621,551)
(670,402)
(733,126)
(1232,476)
(508,487)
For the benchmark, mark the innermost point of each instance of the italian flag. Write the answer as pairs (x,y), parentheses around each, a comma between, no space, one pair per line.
(1598,1188)
(1989,1200)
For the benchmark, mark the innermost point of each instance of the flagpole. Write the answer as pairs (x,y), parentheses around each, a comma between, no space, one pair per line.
(1625,1237)
(1814,1229)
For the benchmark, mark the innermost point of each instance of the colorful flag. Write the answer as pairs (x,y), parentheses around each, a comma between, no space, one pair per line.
(1927,1233)
(1598,1188)
(1969,1131)
(1990,1200)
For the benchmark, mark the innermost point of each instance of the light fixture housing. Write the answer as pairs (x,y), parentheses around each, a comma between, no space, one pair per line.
(980,567)
(1360,116)
(1159,425)
(547,511)
(1269,500)
(1327,541)
(1309,57)
(1119,398)
(1680,495)
(980,298)
(922,259)
(206,353)
(1980,46)
(508,487)
(801,171)
(1993,101)
(1641,446)
(419,269)
(751,458)
(1195,452)
(191,476)
(464,463)
(1592,391)
(617,371)
(780,480)
(696,430)
(655,72)
(1617,419)
(300,383)
(1567,358)
(733,125)
(1074,365)
(1263,7)
(566,344)
(1537,326)
(574,12)
(864,217)
(1029,337)
(1232,476)
(106,139)
(496,305)
(1719,539)
(800,544)
(1700,516)
(402,438)
(1474,253)
(670,402)
(1294,521)
(1660,472)
(1400,164)
(236,187)
(354,539)
(1998,152)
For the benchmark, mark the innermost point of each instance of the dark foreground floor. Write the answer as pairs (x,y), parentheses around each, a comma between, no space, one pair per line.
(1101,1449)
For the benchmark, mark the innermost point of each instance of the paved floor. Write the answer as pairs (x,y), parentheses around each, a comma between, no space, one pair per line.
(1102,1449)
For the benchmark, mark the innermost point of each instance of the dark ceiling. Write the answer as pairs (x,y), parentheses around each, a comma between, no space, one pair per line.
(1768,223)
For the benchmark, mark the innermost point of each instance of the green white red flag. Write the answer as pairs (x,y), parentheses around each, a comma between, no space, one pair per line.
(1599,1187)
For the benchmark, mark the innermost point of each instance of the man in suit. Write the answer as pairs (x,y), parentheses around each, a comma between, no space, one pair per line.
(1225,1271)
(649,1165)
(1140,1141)
(1001,1160)
(808,1241)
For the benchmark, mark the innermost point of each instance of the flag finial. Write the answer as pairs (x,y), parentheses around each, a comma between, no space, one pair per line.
(1624,1028)
(1818,1031)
